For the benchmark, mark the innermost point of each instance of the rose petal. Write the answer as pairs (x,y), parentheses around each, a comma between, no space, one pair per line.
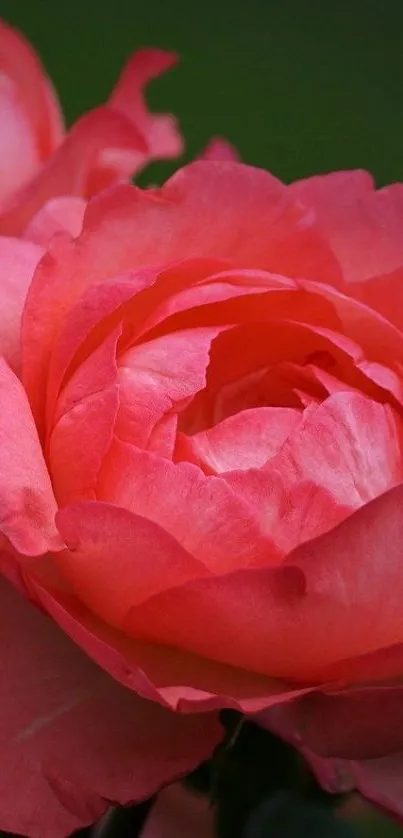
(117,559)
(342,454)
(27,503)
(195,215)
(18,261)
(84,424)
(58,215)
(21,65)
(72,738)
(342,724)
(68,172)
(160,131)
(246,440)
(377,779)
(223,532)
(158,377)
(291,621)
(363,226)
(176,679)
(19,157)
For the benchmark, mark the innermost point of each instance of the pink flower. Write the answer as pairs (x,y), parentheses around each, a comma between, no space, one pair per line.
(40,161)
(201,469)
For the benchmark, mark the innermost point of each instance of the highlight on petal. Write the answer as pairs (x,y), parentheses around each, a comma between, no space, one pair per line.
(83,426)
(18,261)
(31,120)
(73,738)
(63,214)
(362,225)
(27,503)
(243,441)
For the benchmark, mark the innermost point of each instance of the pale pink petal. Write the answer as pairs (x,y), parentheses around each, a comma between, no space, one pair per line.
(363,226)
(19,155)
(180,813)
(60,214)
(72,738)
(27,503)
(18,261)
(246,440)
(20,63)
(224,532)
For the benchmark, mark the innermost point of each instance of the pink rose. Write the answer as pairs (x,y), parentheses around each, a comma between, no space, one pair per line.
(40,161)
(201,463)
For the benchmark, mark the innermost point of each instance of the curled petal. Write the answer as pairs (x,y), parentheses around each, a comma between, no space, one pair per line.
(27,503)
(72,737)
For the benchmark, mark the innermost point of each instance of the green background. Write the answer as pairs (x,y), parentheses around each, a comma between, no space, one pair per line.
(298,87)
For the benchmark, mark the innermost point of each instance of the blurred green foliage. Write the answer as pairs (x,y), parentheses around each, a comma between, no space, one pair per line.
(298,87)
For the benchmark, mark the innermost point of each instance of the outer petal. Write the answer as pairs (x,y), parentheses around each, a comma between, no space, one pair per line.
(21,65)
(380,779)
(18,261)
(69,170)
(72,738)
(172,677)
(160,131)
(294,620)
(342,724)
(19,157)
(27,503)
(362,225)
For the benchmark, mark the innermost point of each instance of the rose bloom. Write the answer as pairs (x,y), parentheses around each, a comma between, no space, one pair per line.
(200,482)
(39,160)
